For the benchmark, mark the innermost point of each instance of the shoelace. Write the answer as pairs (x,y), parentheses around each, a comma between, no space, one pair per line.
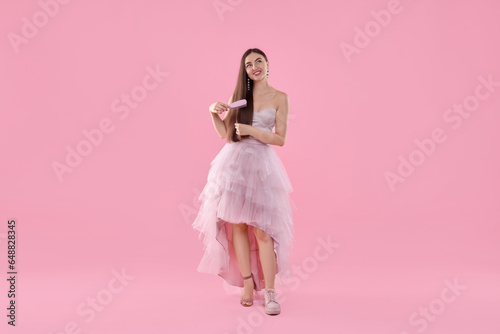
(271,296)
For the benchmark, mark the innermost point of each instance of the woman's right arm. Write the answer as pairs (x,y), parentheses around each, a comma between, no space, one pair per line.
(221,125)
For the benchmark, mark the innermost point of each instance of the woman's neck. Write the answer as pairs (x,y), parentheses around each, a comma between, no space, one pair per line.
(261,86)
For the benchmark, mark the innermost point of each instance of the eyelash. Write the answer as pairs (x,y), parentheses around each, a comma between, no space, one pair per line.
(259,61)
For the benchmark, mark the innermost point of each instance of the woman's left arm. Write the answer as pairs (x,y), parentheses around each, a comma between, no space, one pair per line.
(277,138)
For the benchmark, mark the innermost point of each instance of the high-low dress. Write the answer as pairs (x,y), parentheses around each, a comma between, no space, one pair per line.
(247,183)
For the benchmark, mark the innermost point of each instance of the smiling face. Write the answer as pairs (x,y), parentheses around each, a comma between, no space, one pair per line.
(256,66)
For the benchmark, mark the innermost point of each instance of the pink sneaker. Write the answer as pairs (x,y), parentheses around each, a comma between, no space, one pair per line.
(271,305)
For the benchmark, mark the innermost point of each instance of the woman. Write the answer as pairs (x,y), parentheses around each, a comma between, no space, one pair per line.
(245,214)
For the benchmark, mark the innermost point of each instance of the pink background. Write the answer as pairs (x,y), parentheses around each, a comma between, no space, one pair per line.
(130,202)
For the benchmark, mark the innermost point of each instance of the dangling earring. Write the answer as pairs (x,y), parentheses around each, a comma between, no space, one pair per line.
(248,83)
(268,73)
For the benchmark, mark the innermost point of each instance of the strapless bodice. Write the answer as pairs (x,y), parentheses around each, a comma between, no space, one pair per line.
(264,119)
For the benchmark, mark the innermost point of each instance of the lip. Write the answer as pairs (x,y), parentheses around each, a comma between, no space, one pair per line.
(257,72)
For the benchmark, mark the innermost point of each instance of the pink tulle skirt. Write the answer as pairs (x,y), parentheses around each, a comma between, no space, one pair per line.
(247,183)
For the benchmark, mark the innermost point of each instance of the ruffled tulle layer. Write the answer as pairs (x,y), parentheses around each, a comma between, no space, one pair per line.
(247,183)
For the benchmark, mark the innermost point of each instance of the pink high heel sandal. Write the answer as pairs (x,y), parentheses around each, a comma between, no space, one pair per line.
(247,301)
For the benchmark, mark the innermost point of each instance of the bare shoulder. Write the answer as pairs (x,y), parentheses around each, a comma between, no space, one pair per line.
(282,100)
(280,94)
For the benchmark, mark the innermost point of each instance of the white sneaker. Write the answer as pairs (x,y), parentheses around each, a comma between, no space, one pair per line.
(271,305)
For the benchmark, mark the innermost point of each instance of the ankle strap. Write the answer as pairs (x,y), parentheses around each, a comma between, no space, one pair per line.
(249,276)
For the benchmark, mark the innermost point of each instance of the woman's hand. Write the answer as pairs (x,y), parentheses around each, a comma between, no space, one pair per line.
(218,107)
(243,129)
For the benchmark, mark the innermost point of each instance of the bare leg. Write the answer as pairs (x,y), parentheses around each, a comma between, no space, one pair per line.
(242,251)
(267,257)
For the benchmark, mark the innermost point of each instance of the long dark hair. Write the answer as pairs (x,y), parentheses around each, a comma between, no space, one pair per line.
(243,115)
